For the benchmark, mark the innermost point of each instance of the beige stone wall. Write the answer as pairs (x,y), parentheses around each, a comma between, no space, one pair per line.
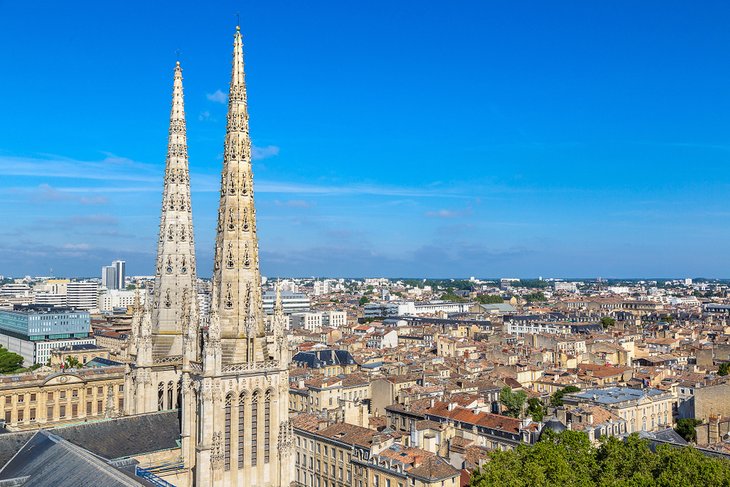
(62,399)
(712,400)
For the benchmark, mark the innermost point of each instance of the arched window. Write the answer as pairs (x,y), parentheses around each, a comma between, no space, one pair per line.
(161,396)
(227,434)
(169,395)
(254,427)
(241,430)
(267,424)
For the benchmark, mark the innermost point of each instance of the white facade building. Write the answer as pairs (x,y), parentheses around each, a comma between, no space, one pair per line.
(82,295)
(119,299)
(568,287)
(307,321)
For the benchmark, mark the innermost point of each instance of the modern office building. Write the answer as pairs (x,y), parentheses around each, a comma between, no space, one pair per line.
(82,294)
(292,302)
(109,277)
(117,298)
(33,331)
(120,267)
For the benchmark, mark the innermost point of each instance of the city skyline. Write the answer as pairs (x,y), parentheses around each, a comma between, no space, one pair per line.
(461,143)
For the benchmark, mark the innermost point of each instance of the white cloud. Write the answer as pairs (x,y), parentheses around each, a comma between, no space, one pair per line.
(218,97)
(293,203)
(76,246)
(111,168)
(259,153)
(205,116)
(444,213)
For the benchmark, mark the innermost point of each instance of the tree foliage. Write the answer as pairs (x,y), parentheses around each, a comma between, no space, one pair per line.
(607,322)
(569,459)
(72,362)
(557,398)
(535,409)
(9,361)
(363,301)
(490,299)
(512,401)
(536,296)
(724,368)
(686,428)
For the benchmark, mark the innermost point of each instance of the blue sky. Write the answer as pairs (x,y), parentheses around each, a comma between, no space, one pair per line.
(392,138)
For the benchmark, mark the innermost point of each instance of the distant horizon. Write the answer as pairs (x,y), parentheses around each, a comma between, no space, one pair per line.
(523,278)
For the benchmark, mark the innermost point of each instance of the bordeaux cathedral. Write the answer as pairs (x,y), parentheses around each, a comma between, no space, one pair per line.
(227,373)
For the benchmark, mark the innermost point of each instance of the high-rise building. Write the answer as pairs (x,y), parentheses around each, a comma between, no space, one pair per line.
(82,294)
(120,267)
(109,277)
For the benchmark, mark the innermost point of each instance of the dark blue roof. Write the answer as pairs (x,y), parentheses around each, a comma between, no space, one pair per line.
(315,359)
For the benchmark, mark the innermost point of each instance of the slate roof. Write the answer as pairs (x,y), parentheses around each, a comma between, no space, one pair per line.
(126,436)
(10,443)
(315,359)
(48,460)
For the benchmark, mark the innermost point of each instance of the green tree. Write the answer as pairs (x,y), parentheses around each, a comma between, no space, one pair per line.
(490,299)
(72,362)
(535,409)
(450,296)
(724,368)
(686,428)
(607,322)
(513,401)
(557,398)
(537,296)
(569,459)
(364,300)
(9,361)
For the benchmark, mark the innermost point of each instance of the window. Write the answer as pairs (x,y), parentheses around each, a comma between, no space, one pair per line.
(99,407)
(49,413)
(62,394)
(31,416)
(62,412)
(88,408)
(241,403)
(21,398)
(267,425)
(74,410)
(8,416)
(32,397)
(255,427)
(49,396)
(227,434)
(21,415)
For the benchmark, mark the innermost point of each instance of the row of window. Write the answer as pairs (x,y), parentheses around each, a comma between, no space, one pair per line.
(51,396)
(64,412)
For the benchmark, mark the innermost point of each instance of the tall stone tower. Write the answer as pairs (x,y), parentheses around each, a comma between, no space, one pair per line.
(235,400)
(160,332)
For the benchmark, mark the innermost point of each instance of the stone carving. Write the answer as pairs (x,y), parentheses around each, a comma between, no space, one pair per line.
(216,453)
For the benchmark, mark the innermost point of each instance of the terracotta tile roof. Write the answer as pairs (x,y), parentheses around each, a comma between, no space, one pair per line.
(487,420)
(434,468)
(350,434)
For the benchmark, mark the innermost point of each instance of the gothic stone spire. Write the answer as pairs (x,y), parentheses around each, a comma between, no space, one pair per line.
(176,250)
(236,278)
